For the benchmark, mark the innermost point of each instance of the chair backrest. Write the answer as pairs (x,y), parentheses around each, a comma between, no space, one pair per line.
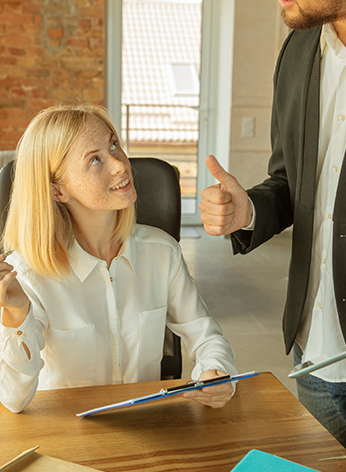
(159,205)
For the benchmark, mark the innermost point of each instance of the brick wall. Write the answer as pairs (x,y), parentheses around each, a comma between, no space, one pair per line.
(50,51)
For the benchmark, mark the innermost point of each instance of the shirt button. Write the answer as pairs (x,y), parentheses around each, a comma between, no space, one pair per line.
(330,216)
(341,118)
(335,169)
(324,260)
(320,306)
(111,279)
(19,332)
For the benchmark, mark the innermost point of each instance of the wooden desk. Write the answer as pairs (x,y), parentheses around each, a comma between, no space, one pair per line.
(170,435)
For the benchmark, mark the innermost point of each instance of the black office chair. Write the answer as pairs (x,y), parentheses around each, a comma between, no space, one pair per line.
(159,205)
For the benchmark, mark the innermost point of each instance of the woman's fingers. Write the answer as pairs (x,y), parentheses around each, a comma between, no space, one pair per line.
(6,278)
(215,396)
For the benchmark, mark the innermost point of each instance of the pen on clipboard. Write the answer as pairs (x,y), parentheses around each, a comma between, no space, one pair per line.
(198,384)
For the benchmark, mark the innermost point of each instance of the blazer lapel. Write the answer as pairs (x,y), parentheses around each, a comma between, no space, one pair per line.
(311,133)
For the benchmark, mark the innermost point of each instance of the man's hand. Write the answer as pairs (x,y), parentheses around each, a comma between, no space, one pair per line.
(215,396)
(225,206)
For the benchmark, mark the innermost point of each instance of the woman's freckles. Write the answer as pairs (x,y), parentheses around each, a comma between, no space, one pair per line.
(97,164)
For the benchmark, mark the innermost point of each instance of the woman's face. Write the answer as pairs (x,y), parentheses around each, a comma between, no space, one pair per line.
(98,173)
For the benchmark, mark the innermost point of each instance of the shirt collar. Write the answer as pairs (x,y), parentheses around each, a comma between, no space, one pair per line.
(330,38)
(83,263)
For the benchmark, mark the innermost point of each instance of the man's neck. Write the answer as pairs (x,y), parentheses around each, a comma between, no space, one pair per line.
(340,28)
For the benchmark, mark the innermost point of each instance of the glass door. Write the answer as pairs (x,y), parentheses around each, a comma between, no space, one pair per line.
(168,84)
(160,98)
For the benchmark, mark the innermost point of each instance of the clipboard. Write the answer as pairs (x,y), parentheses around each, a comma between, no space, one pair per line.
(318,363)
(168,392)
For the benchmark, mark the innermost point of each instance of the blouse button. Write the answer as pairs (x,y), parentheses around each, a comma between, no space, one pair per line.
(19,332)
(111,279)
(341,118)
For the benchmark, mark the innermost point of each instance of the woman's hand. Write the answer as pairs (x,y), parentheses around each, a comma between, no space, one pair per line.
(13,300)
(216,396)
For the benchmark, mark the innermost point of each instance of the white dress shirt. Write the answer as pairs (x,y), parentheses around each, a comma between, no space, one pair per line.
(321,332)
(105,326)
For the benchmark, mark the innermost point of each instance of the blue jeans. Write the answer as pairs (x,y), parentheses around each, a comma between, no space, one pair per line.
(326,401)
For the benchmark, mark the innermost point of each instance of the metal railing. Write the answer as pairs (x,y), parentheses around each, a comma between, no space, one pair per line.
(162,123)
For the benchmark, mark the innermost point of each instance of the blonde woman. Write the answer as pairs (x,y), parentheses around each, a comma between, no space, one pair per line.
(85,294)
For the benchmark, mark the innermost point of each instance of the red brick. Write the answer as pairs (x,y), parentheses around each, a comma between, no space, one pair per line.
(41,68)
(92,94)
(36,105)
(9,82)
(84,24)
(6,61)
(19,92)
(17,51)
(96,43)
(97,83)
(13,137)
(17,113)
(39,72)
(90,12)
(15,18)
(13,7)
(26,61)
(29,7)
(16,40)
(12,102)
(39,93)
(55,32)
(77,43)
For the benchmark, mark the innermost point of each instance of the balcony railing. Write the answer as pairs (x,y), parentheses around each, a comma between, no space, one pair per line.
(169,132)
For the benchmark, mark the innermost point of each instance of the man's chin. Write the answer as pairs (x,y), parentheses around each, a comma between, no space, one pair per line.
(300,22)
(305,21)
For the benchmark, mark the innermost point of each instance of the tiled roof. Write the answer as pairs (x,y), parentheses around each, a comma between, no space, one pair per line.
(155,34)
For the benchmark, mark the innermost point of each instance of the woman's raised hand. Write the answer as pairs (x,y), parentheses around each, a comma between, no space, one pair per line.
(13,300)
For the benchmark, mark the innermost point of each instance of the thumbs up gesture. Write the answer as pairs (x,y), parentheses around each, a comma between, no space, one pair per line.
(225,206)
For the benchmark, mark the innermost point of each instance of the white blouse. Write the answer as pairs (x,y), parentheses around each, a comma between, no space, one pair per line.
(105,326)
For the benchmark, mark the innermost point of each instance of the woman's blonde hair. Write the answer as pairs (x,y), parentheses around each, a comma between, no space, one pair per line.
(37,226)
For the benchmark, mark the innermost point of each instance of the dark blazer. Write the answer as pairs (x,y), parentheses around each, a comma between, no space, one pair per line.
(287,196)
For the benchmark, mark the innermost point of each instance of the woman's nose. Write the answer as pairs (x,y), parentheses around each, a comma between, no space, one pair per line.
(117,163)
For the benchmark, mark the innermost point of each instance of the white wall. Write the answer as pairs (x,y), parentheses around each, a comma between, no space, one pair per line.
(258,36)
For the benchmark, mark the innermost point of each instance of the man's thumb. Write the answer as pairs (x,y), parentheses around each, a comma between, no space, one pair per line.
(218,171)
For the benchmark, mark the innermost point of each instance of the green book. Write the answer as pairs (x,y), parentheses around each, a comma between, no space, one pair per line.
(258,461)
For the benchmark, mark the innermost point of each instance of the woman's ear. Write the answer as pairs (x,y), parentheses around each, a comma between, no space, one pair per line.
(59,194)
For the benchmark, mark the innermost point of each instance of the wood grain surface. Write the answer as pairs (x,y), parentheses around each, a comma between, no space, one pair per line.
(170,435)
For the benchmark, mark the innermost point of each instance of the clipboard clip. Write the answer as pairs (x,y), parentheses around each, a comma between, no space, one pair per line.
(193,384)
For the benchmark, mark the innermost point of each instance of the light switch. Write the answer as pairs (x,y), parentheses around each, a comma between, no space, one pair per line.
(248,127)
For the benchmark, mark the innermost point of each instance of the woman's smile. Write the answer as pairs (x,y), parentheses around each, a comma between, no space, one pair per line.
(121,185)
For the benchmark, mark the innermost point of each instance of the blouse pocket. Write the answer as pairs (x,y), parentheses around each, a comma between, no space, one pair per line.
(70,358)
(152,334)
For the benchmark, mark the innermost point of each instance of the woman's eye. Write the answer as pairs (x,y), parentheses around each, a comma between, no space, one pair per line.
(114,145)
(95,161)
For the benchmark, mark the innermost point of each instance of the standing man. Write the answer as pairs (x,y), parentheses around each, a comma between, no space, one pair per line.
(306,187)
